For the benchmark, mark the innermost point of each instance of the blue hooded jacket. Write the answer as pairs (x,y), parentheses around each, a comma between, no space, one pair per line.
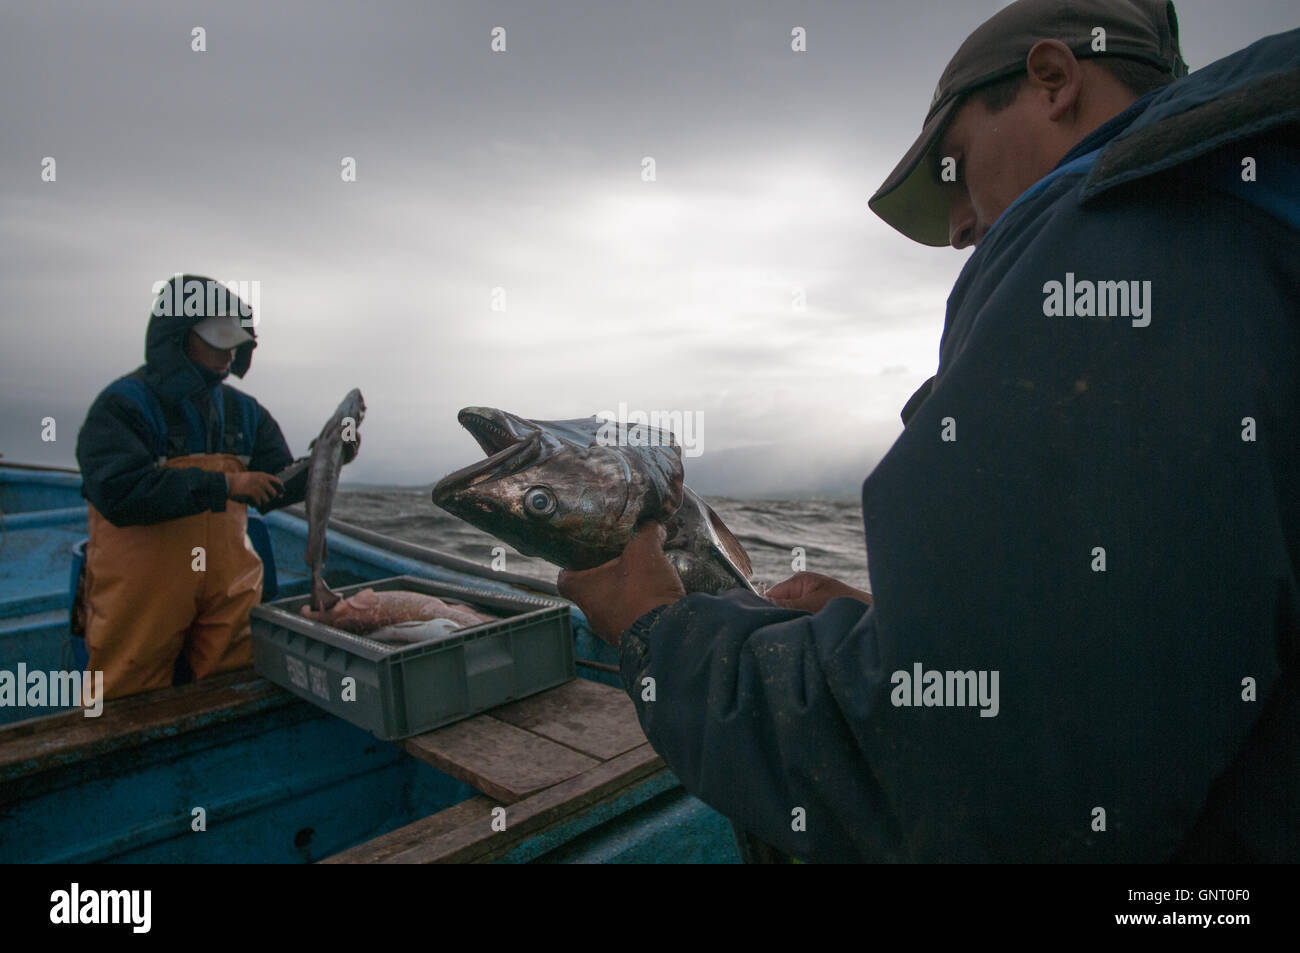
(170,407)
(1102,511)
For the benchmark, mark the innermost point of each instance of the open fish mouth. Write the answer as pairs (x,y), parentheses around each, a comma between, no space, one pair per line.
(510,446)
(494,430)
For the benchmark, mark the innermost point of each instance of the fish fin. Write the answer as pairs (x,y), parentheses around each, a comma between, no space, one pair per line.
(727,542)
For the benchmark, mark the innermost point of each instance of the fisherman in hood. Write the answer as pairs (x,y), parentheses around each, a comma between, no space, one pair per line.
(169,457)
(1083,637)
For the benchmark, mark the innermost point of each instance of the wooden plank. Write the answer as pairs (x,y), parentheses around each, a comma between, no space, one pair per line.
(31,746)
(500,760)
(584,715)
(474,811)
(477,841)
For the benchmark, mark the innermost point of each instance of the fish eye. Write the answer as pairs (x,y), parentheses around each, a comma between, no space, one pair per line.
(539,501)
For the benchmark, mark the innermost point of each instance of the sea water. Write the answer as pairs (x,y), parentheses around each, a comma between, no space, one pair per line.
(781,536)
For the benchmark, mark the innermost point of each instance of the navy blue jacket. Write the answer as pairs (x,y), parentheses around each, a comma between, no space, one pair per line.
(126,435)
(1125,689)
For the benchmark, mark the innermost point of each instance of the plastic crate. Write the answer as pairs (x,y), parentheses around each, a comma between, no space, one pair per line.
(403,690)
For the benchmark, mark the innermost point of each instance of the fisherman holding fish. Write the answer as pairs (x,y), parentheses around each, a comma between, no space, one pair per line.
(169,457)
(1084,548)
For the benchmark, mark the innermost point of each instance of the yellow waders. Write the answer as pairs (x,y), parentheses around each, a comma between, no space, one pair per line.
(146,603)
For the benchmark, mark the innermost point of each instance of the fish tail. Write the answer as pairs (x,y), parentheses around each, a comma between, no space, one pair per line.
(322,596)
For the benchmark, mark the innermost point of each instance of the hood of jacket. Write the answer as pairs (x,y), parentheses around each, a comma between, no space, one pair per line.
(1242,95)
(167,369)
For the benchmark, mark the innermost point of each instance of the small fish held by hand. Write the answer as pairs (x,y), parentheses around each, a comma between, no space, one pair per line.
(327,459)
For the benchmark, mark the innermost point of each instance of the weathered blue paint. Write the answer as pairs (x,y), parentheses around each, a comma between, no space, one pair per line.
(279,781)
(638,794)
(587,646)
(70,516)
(43,516)
(259,782)
(22,491)
(673,826)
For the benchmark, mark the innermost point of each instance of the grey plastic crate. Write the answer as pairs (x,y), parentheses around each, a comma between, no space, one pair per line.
(403,690)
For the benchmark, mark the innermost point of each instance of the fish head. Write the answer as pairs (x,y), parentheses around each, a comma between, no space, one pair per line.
(353,406)
(563,490)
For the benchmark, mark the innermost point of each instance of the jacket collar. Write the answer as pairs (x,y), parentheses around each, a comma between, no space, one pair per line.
(1240,96)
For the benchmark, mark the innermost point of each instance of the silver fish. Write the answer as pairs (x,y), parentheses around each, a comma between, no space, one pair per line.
(414,632)
(574,491)
(322,483)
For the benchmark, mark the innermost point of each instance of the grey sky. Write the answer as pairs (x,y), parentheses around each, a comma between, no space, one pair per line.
(476,170)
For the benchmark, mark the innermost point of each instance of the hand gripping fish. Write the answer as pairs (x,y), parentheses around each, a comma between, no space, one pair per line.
(574,491)
(322,483)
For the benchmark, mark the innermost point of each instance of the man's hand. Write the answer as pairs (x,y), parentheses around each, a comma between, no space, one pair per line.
(615,595)
(811,590)
(253,487)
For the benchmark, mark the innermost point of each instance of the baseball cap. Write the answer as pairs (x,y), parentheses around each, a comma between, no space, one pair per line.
(222,331)
(911,200)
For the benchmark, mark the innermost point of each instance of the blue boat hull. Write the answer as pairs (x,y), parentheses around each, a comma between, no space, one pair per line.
(237,770)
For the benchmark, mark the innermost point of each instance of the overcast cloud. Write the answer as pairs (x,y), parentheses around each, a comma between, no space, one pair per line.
(477,170)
